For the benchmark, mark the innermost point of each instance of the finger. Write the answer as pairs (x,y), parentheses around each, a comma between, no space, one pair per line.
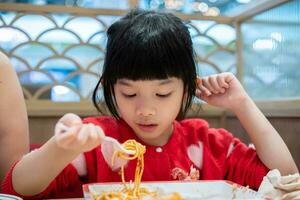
(222,82)
(79,142)
(215,85)
(291,195)
(93,135)
(60,128)
(83,134)
(91,131)
(228,77)
(71,119)
(223,85)
(100,132)
(68,137)
(198,93)
(207,85)
(204,91)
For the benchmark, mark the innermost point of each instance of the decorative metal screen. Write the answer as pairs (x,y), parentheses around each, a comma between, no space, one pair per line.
(59,56)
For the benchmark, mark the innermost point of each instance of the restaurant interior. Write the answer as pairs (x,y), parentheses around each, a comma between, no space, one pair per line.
(57,48)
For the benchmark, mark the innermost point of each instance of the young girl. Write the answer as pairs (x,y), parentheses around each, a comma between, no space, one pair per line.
(149,80)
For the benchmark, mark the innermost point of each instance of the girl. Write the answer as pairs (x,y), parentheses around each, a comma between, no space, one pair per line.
(149,80)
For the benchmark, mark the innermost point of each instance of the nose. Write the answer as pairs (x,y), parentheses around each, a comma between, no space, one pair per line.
(145,109)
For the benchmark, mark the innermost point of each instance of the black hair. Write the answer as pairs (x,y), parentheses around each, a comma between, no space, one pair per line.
(147,45)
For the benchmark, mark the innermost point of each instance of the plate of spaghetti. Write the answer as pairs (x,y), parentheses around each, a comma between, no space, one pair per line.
(163,190)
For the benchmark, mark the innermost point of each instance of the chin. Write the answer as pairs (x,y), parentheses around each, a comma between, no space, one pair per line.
(147,136)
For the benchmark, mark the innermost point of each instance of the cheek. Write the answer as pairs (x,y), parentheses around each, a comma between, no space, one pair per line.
(124,108)
(171,108)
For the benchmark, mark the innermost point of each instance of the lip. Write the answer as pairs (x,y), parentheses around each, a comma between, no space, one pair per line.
(147,127)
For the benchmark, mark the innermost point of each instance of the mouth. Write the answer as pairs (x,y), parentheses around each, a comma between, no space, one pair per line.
(147,127)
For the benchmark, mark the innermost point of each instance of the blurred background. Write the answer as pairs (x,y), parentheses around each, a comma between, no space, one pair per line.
(57,48)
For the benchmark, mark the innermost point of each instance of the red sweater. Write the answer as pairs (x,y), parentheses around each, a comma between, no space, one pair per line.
(194,151)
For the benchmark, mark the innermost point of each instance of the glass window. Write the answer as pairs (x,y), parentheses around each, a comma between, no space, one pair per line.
(271,53)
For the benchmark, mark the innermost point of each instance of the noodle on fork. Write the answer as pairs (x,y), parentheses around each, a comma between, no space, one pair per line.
(139,155)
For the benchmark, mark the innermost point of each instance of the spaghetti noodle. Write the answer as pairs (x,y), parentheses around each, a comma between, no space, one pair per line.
(134,192)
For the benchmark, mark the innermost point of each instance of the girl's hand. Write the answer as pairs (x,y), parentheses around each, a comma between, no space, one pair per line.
(222,90)
(71,134)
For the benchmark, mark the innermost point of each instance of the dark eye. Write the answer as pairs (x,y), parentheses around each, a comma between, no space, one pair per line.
(164,95)
(129,95)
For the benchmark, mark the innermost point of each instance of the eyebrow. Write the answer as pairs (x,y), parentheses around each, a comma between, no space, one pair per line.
(163,82)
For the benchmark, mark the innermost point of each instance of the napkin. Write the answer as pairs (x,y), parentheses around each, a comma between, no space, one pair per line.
(280,187)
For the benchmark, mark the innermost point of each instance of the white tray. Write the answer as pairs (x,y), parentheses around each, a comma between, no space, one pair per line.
(196,190)
(9,197)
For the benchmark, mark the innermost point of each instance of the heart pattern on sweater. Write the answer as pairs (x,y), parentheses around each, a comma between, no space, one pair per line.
(195,154)
(79,163)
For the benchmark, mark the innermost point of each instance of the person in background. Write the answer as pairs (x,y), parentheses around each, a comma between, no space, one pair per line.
(14,136)
(149,79)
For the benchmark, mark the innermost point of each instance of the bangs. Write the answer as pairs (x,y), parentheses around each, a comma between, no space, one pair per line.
(155,62)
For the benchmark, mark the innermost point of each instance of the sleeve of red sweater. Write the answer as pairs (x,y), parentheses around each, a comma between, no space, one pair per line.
(242,164)
(67,180)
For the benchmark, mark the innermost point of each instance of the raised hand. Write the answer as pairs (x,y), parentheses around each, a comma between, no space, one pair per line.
(222,90)
(72,134)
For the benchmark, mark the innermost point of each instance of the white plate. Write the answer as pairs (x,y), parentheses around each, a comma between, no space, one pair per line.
(9,197)
(208,190)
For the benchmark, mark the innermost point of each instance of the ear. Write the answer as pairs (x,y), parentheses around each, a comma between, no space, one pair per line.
(198,81)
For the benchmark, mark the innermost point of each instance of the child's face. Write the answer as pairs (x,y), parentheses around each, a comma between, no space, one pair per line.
(150,107)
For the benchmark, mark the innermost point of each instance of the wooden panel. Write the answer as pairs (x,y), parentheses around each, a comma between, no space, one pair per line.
(41,128)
